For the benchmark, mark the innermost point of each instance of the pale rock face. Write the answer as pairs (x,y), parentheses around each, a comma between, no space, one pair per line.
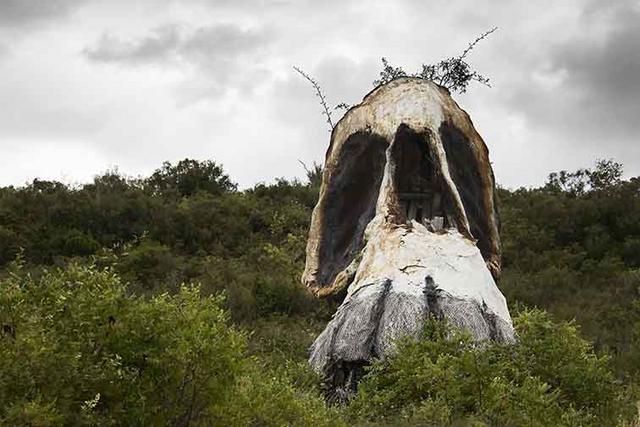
(406,224)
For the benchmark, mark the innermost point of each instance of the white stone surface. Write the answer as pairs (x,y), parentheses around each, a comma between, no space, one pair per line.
(407,255)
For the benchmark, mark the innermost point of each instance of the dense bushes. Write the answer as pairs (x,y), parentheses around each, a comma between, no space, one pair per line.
(77,350)
(551,377)
(570,247)
(184,223)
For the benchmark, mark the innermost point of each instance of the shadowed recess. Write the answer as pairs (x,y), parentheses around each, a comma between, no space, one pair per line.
(418,184)
(351,201)
(466,173)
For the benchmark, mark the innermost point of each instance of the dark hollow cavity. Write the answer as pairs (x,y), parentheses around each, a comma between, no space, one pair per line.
(465,170)
(351,201)
(417,182)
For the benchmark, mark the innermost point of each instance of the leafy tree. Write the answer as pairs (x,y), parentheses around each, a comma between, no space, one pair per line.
(606,174)
(188,177)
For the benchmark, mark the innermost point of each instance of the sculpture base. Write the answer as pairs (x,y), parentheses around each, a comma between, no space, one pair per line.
(420,274)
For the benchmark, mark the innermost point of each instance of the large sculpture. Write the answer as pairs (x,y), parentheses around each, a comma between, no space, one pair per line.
(405,227)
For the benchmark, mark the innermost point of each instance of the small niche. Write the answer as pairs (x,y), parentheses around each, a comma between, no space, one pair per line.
(418,184)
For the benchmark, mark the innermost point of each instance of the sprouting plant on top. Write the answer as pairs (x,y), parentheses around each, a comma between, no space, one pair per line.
(453,73)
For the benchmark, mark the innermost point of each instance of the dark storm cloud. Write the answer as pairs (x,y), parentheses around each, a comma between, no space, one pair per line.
(599,78)
(20,12)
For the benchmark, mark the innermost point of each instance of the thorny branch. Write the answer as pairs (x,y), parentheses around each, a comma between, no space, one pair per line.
(323,100)
(476,41)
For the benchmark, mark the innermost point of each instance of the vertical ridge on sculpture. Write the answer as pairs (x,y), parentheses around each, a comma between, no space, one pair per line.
(406,224)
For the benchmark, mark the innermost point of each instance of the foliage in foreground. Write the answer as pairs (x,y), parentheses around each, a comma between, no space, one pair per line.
(551,377)
(77,350)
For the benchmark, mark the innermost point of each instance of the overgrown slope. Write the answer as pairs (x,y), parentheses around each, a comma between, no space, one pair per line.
(571,247)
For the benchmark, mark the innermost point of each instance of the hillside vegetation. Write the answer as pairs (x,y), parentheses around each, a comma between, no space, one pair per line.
(175,300)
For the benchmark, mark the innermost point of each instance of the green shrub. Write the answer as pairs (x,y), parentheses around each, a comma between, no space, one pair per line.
(74,243)
(550,377)
(8,245)
(262,282)
(149,264)
(264,398)
(75,349)
(281,344)
(78,349)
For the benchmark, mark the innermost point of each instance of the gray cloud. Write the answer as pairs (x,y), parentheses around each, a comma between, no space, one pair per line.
(207,46)
(224,40)
(597,78)
(606,73)
(216,51)
(15,13)
(162,44)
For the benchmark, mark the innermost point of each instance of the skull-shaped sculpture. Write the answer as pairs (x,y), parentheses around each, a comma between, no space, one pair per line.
(406,226)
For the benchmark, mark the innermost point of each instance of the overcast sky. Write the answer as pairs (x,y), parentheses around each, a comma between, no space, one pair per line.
(89,85)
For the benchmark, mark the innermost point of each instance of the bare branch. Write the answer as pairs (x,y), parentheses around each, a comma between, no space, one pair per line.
(476,41)
(304,166)
(319,94)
